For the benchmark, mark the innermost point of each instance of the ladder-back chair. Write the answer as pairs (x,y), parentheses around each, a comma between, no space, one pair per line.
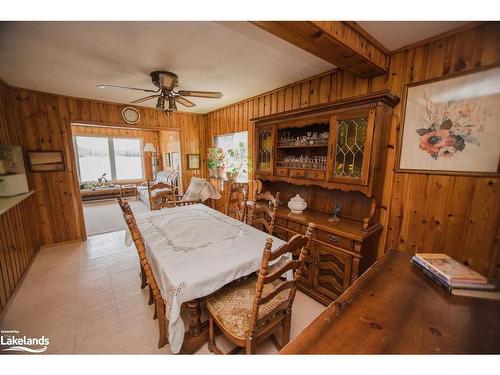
(127,212)
(261,212)
(251,310)
(154,289)
(236,206)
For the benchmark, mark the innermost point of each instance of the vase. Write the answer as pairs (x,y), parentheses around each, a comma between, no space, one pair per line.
(232,176)
(212,173)
(221,172)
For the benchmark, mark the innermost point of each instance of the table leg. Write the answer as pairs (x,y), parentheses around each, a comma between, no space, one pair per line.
(197,334)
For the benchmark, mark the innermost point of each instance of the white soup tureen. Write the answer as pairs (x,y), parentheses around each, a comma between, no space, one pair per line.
(297,204)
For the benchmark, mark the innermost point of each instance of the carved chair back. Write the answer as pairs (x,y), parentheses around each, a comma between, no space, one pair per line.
(267,275)
(163,199)
(261,213)
(236,201)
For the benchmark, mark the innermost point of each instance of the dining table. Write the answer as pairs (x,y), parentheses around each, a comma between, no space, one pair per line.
(194,251)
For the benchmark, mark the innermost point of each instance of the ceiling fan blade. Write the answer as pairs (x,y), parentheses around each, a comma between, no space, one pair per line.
(125,87)
(144,99)
(184,101)
(201,94)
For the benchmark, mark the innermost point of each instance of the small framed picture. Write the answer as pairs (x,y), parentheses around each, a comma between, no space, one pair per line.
(193,161)
(167,160)
(46,161)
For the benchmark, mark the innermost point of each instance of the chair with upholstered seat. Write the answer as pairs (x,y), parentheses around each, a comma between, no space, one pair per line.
(250,310)
(236,201)
(261,212)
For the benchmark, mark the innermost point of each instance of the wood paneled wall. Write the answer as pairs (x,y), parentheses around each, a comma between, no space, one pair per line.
(456,215)
(20,236)
(46,120)
(147,136)
(19,242)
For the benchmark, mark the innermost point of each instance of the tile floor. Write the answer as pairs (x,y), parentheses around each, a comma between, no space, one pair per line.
(85,297)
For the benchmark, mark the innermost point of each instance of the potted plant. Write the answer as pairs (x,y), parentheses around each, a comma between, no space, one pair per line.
(239,161)
(233,173)
(212,161)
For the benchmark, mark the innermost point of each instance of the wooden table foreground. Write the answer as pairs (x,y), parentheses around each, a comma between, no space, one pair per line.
(395,309)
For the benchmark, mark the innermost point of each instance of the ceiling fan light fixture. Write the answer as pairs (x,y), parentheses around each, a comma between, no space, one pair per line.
(171,104)
(160,105)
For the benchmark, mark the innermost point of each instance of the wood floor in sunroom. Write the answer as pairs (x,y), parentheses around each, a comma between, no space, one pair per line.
(86,298)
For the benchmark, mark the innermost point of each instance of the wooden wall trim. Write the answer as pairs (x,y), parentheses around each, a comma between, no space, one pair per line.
(457,30)
(333,41)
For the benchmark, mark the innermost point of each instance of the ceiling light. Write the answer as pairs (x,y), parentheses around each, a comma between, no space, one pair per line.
(160,105)
(171,104)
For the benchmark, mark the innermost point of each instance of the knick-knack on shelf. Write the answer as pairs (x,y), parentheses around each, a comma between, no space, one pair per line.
(335,212)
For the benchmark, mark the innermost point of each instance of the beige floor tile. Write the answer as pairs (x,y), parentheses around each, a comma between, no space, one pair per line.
(106,341)
(133,305)
(94,286)
(99,319)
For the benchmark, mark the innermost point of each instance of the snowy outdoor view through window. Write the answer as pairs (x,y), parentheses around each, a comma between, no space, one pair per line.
(117,158)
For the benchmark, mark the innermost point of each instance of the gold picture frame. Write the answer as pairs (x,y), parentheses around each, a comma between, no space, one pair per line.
(450,125)
(193,161)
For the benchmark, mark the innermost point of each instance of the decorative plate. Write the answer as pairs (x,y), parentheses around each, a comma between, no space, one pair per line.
(131,115)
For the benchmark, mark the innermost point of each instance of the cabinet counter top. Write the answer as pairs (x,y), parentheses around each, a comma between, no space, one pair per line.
(6,203)
(345,226)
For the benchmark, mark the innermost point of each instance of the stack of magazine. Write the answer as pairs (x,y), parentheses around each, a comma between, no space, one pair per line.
(455,277)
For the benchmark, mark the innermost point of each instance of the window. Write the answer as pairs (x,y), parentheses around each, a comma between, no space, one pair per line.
(237,142)
(115,158)
(128,158)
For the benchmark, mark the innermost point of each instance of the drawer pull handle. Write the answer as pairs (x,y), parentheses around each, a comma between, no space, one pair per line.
(333,238)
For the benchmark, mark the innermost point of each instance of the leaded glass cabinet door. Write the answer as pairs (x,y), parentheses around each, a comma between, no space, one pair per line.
(264,155)
(350,147)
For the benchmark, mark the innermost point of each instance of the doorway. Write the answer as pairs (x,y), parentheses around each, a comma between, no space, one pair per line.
(114,161)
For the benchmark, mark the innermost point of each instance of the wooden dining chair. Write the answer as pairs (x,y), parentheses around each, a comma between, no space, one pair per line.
(163,199)
(127,212)
(154,289)
(249,311)
(236,201)
(261,212)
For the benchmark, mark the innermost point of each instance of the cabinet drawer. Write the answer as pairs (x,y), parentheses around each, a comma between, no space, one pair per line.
(316,175)
(281,222)
(296,227)
(283,172)
(298,173)
(335,239)
(280,233)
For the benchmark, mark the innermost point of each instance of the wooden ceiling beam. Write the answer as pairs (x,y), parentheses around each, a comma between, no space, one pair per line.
(333,41)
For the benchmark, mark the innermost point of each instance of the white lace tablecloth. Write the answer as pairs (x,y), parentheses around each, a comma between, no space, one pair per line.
(194,251)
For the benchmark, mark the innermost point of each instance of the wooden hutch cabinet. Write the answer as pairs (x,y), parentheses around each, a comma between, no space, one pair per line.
(329,154)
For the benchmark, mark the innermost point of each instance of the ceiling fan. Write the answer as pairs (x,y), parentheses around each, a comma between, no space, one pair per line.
(166,82)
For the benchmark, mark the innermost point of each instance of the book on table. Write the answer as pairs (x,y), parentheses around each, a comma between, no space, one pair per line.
(449,273)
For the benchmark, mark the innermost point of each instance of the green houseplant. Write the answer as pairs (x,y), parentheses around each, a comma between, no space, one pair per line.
(239,160)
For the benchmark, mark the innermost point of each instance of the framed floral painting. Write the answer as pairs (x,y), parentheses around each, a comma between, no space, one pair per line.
(452,125)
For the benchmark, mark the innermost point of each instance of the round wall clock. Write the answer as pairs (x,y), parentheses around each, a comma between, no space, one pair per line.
(131,115)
